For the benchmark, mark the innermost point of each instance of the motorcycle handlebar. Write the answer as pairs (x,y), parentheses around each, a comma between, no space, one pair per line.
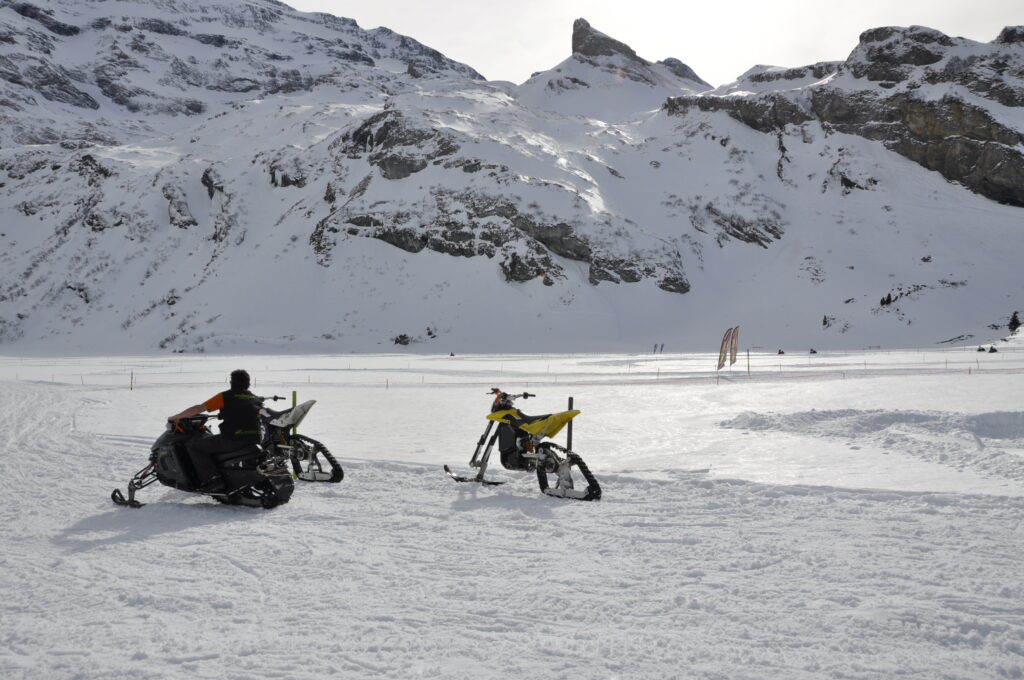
(503,395)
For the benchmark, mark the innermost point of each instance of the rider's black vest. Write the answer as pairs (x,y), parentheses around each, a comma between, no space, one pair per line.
(240,415)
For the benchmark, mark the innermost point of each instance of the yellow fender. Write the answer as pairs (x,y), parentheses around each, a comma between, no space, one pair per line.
(546,427)
(503,416)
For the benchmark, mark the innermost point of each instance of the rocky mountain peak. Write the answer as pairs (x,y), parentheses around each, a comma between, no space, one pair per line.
(682,70)
(154,154)
(1011,35)
(889,53)
(590,42)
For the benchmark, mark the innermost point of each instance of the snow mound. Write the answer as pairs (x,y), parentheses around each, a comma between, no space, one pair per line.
(991,444)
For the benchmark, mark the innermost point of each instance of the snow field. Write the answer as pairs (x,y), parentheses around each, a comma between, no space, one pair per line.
(793,524)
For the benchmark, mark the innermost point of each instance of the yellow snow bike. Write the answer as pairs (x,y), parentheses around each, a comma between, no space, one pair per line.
(521,445)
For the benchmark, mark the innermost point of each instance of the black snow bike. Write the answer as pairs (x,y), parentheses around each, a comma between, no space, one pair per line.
(310,460)
(253,476)
(521,446)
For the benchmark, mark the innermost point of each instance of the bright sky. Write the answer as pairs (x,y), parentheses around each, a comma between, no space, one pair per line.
(719,39)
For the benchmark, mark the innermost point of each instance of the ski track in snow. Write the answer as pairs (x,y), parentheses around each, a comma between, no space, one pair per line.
(399,573)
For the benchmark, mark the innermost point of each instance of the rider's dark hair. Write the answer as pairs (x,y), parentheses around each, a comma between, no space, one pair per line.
(239,380)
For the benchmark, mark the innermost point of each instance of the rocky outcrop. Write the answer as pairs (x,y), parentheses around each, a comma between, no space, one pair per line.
(891,54)
(768,113)
(137,58)
(683,71)
(960,141)
(396,145)
(1011,35)
(473,224)
(820,70)
(594,47)
(954,134)
(178,212)
(45,18)
(49,81)
(590,42)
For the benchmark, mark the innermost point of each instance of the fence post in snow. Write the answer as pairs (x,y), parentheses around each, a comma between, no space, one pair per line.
(568,434)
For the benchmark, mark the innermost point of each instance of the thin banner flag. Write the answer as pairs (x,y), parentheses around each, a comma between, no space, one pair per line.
(735,343)
(723,352)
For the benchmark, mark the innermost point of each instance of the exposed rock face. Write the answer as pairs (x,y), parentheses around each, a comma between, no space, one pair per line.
(818,71)
(51,82)
(473,224)
(768,113)
(44,17)
(1011,35)
(146,64)
(593,43)
(887,100)
(395,145)
(682,70)
(590,45)
(369,172)
(177,208)
(890,54)
(958,140)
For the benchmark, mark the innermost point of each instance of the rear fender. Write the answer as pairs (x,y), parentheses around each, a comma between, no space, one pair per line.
(550,426)
(292,417)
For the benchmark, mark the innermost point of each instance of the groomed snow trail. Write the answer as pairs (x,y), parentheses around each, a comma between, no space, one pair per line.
(399,572)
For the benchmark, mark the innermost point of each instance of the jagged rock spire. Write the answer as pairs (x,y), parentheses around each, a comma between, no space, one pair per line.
(593,43)
(589,42)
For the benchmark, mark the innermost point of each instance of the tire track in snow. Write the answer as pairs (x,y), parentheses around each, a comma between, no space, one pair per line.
(399,572)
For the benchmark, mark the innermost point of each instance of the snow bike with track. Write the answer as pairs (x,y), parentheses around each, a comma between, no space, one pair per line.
(253,476)
(310,460)
(521,446)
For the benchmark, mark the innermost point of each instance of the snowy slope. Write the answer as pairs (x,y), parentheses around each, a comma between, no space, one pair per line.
(796,523)
(373,191)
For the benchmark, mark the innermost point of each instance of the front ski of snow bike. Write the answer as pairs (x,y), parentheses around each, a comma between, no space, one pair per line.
(478,461)
(140,480)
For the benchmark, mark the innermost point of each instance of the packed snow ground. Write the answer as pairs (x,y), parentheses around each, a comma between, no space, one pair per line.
(843,515)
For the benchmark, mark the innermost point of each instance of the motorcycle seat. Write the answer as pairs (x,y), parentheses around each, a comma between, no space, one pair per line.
(530,419)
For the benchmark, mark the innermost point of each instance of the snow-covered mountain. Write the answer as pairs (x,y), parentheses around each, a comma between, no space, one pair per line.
(198,176)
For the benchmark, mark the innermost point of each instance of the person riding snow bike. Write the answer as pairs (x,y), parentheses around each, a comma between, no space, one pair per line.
(240,427)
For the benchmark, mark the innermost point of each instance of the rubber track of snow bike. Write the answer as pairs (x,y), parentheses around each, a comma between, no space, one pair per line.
(593,488)
(314,447)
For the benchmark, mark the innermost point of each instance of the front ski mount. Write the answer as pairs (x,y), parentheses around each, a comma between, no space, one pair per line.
(479,479)
(141,480)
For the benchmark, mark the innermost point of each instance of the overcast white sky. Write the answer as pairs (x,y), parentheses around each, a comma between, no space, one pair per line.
(719,39)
